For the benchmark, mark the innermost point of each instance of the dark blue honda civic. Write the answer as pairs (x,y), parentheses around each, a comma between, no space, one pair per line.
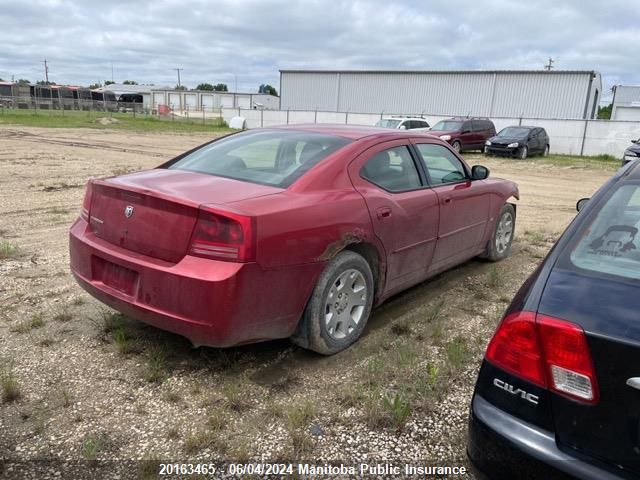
(558,393)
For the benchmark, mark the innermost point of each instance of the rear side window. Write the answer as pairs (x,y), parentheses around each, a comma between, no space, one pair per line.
(269,157)
(609,243)
(392,170)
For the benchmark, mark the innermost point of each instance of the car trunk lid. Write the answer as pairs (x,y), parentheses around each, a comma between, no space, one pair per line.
(607,310)
(154,212)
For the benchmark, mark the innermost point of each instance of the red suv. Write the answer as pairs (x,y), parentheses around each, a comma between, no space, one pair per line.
(464,133)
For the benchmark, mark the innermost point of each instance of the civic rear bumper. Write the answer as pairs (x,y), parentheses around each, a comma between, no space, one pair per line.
(213,303)
(501,446)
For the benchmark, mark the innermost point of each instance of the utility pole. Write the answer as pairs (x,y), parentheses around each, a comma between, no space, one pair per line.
(178,70)
(235,88)
(46,71)
(549,66)
(112,71)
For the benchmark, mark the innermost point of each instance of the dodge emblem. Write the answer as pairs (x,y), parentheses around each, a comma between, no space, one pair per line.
(128,211)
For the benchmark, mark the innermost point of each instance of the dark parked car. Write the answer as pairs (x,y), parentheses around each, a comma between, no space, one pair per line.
(519,142)
(464,133)
(632,152)
(558,393)
(286,232)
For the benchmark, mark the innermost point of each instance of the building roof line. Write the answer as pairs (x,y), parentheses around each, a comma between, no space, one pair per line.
(436,72)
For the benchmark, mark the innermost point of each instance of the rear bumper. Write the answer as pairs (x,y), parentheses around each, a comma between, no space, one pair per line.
(213,303)
(502,446)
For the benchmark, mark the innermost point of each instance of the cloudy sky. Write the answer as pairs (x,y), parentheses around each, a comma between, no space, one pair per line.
(246,42)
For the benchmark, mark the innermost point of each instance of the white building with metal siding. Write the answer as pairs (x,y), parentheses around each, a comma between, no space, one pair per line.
(626,103)
(532,94)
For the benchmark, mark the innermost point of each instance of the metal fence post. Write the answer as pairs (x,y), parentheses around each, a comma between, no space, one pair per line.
(261,118)
(346,117)
(287,116)
(315,116)
(584,137)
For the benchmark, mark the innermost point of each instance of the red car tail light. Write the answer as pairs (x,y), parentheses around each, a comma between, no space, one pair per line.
(223,236)
(549,352)
(86,203)
(515,348)
(568,361)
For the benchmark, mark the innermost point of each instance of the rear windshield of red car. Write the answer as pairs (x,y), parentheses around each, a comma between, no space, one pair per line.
(269,157)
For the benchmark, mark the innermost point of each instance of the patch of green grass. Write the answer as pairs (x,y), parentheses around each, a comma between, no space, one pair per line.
(458,353)
(78,301)
(63,315)
(58,210)
(235,396)
(35,321)
(155,368)
(9,382)
(400,329)
(535,238)
(123,121)
(92,445)
(8,250)
(398,408)
(300,415)
(200,440)
(65,393)
(495,277)
(173,433)
(148,468)
(217,420)
(602,162)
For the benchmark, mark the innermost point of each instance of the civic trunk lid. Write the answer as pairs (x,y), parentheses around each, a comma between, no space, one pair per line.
(154,212)
(607,310)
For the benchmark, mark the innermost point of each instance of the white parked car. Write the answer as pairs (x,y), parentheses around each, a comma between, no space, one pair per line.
(404,123)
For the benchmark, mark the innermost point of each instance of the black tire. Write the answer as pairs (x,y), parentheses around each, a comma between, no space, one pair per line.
(523,153)
(500,248)
(314,332)
(457,146)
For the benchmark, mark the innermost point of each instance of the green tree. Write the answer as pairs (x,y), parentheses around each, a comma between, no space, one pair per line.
(180,87)
(604,113)
(108,82)
(130,82)
(205,86)
(94,86)
(42,82)
(23,81)
(220,87)
(268,90)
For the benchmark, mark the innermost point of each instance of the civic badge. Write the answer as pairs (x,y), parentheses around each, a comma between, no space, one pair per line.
(128,211)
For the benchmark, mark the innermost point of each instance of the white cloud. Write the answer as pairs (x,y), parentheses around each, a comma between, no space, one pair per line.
(252,39)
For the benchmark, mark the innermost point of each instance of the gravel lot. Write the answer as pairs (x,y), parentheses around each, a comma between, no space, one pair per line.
(93,389)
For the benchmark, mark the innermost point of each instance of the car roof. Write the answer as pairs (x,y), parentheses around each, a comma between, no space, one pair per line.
(398,117)
(633,173)
(354,132)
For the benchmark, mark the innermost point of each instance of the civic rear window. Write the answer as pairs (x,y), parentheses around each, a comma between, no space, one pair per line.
(269,157)
(609,243)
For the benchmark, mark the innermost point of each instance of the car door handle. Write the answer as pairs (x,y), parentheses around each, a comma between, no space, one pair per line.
(446,200)
(634,382)
(383,212)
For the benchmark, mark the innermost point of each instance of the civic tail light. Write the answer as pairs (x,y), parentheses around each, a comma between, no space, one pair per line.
(546,351)
(223,236)
(86,203)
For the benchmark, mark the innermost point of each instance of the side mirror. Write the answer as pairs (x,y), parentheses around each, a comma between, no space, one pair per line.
(581,203)
(478,172)
(402,127)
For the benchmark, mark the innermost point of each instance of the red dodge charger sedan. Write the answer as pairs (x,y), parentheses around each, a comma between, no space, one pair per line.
(286,232)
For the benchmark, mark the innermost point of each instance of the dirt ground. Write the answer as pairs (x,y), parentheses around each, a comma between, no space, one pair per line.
(94,386)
